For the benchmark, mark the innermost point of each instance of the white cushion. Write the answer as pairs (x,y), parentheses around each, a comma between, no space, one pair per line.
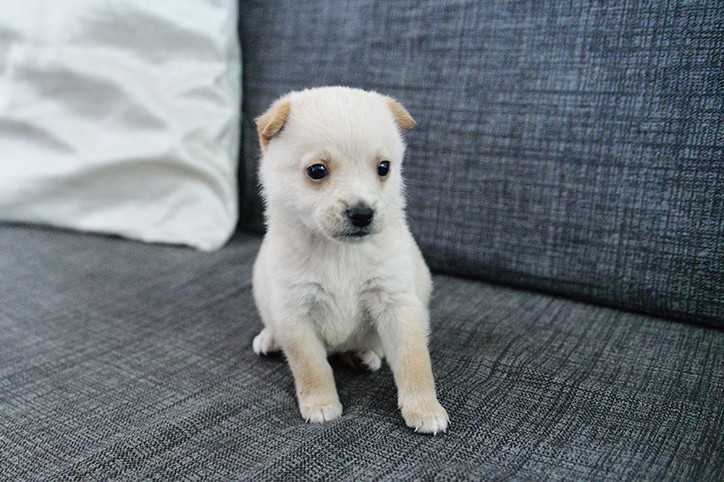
(121,117)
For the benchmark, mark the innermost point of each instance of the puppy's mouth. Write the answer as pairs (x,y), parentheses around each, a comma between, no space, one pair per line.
(354,236)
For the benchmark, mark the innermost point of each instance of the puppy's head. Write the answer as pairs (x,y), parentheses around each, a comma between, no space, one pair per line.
(332,161)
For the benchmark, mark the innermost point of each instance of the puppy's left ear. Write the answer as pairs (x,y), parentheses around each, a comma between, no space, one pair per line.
(271,122)
(403,118)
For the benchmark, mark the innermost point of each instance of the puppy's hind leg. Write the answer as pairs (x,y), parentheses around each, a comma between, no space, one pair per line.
(366,360)
(264,343)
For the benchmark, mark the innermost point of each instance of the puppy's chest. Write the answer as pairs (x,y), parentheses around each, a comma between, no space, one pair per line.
(336,303)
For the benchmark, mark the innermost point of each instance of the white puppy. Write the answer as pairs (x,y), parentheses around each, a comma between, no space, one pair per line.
(339,271)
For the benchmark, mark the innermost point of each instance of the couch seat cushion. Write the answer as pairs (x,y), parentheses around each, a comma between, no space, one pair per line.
(120,360)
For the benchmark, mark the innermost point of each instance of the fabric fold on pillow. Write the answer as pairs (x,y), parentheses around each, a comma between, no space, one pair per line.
(121,118)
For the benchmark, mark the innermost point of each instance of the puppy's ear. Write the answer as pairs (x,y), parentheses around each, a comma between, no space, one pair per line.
(271,122)
(403,118)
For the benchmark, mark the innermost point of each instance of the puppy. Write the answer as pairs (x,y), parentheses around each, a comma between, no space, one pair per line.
(338,270)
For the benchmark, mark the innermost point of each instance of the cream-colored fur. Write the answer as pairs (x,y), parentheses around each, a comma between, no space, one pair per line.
(322,285)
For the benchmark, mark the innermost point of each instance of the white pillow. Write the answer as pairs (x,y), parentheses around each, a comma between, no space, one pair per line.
(121,117)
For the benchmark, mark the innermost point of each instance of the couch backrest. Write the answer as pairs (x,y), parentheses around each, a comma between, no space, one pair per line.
(573,147)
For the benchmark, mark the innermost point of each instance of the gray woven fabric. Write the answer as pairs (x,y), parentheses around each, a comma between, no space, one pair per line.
(574,147)
(125,361)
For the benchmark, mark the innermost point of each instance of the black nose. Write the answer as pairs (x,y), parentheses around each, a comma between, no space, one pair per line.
(360,217)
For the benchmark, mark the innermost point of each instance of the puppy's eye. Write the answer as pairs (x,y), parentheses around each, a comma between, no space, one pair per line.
(383,168)
(317,171)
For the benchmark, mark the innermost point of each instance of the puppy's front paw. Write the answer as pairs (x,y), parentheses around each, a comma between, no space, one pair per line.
(320,411)
(425,416)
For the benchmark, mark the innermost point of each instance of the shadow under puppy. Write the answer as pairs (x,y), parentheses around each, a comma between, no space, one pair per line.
(338,270)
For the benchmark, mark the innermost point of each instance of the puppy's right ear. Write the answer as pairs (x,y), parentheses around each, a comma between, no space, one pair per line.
(271,122)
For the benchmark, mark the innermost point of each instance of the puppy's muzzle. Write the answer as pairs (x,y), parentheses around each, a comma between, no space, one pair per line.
(360,217)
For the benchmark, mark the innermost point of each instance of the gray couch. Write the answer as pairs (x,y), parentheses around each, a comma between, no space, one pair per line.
(565,183)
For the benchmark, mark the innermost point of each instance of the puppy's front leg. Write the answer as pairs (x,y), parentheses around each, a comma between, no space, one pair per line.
(403,329)
(316,391)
